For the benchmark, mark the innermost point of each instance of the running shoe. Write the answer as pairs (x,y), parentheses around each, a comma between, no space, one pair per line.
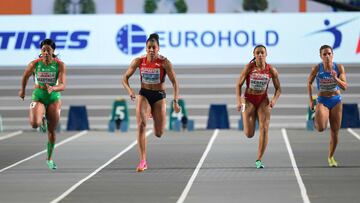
(43,127)
(142,166)
(332,162)
(51,164)
(259,164)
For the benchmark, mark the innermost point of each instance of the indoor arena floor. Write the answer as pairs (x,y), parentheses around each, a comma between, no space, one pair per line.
(197,166)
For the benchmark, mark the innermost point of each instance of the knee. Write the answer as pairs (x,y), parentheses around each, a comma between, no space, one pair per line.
(34,124)
(159,132)
(320,128)
(263,130)
(142,125)
(249,134)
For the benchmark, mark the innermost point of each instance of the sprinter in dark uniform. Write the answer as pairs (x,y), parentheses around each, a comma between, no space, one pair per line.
(153,68)
(50,79)
(256,103)
(330,78)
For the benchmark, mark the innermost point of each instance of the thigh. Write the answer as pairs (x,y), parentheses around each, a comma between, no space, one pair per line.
(321,115)
(263,113)
(36,112)
(53,114)
(335,117)
(142,107)
(158,111)
(249,116)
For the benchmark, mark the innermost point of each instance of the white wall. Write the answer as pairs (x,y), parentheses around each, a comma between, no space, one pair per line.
(196,39)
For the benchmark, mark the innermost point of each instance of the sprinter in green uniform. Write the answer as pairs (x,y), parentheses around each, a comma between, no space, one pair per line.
(50,79)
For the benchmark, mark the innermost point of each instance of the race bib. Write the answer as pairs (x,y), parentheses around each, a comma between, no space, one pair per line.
(259,82)
(327,85)
(150,75)
(46,77)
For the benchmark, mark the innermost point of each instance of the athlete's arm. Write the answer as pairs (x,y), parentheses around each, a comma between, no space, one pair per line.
(341,79)
(239,85)
(61,80)
(129,72)
(276,82)
(172,77)
(25,77)
(310,80)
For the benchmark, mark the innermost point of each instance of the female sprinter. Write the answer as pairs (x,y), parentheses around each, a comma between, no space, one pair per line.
(330,78)
(153,68)
(256,103)
(50,79)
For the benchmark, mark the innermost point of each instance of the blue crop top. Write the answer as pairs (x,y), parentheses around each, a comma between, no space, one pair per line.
(325,81)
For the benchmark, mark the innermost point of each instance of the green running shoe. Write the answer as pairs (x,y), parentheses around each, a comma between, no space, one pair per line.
(259,164)
(51,164)
(332,162)
(43,127)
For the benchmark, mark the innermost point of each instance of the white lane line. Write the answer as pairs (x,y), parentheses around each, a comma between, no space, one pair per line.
(353,133)
(11,135)
(72,188)
(44,151)
(197,169)
(296,170)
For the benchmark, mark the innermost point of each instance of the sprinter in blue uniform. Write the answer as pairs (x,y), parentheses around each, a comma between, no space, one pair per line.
(330,78)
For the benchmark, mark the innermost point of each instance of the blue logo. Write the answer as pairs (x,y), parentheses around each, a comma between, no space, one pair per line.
(131,39)
(334,31)
(31,39)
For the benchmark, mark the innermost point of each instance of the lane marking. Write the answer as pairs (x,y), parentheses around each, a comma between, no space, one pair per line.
(11,135)
(72,188)
(296,170)
(44,151)
(197,169)
(353,133)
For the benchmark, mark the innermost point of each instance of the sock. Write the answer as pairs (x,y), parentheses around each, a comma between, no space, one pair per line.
(50,149)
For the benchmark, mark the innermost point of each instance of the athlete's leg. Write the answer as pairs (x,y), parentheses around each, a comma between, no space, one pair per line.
(141,116)
(249,118)
(53,117)
(158,111)
(335,123)
(263,113)
(321,117)
(36,113)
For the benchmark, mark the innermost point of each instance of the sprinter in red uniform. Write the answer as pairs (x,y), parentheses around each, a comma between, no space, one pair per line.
(256,103)
(153,68)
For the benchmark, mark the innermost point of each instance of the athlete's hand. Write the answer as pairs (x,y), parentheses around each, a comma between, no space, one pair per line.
(49,88)
(333,73)
(132,95)
(311,105)
(241,104)
(272,104)
(176,107)
(241,107)
(22,94)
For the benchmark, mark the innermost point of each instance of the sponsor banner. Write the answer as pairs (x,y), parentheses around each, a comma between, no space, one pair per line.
(191,39)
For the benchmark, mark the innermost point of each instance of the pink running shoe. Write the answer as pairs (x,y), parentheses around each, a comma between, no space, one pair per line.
(142,166)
